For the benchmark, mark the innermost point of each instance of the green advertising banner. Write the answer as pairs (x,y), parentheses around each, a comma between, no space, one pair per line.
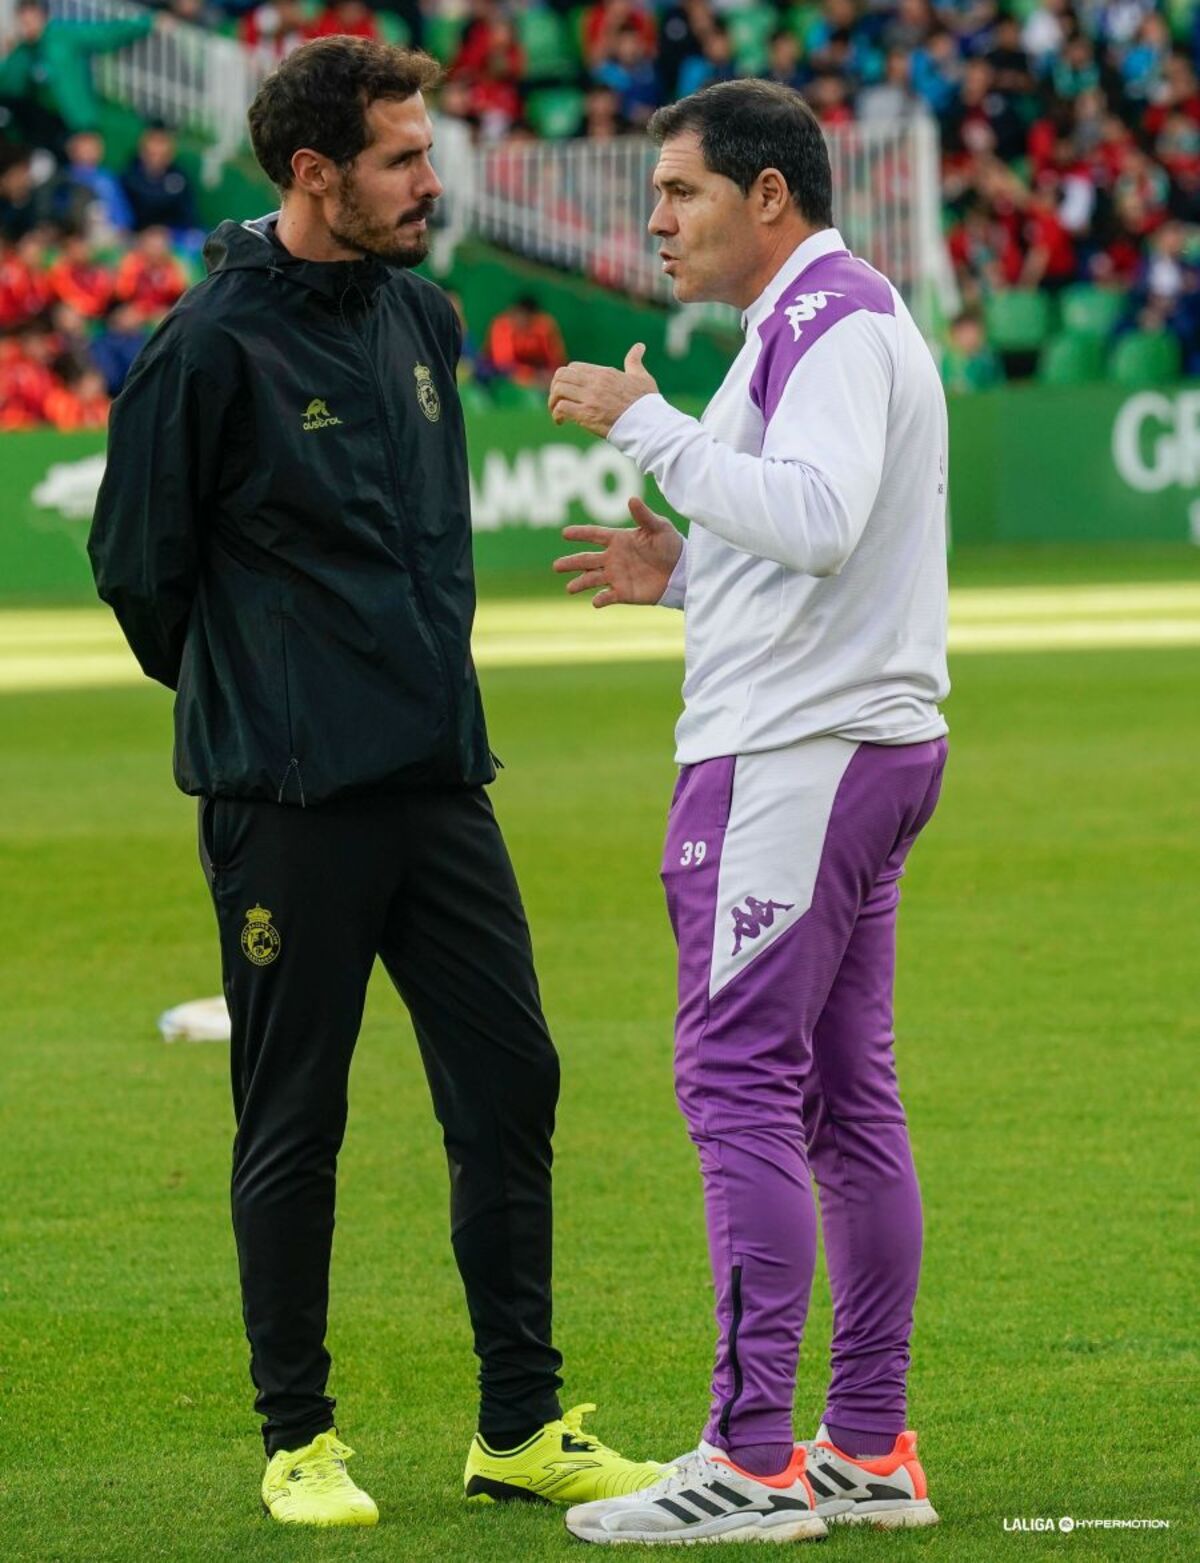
(1090,463)
(1027,464)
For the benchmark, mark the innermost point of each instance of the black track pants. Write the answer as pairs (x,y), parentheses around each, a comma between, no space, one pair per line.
(305,900)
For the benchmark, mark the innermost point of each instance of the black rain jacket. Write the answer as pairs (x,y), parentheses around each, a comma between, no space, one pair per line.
(284,530)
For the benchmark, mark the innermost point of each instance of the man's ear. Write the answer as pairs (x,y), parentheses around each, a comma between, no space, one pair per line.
(312,171)
(771,196)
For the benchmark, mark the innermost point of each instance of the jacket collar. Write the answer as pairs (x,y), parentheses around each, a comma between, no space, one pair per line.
(827,242)
(255,246)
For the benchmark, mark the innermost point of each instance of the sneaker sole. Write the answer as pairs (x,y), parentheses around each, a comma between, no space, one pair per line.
(313,1524)
(886,1515)
(810,1528)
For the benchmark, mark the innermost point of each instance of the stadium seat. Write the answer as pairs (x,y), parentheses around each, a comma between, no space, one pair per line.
(546,41)
(750,32)
(1071,359)
(800,18)
(1018,319)
(393,28)
(1145,358)
(1089,311)
(442,34)
(555,112)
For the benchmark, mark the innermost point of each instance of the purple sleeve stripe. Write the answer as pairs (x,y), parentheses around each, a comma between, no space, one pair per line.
(827,291)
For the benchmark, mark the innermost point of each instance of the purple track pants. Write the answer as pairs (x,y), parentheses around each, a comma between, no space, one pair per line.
(781,871)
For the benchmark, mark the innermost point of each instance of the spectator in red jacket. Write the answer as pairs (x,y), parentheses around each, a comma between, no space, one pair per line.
(524,344)
(26,376)
(25,289)
(486,32)
(494,96)
(346,16)
(80,401)
(149,277)
(78,279)
(275,28)
(603,24)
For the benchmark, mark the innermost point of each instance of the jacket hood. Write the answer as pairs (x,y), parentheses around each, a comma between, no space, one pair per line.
(254,246)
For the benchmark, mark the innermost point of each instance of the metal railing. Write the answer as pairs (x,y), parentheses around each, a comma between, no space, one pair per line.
(188,77)
(584,206)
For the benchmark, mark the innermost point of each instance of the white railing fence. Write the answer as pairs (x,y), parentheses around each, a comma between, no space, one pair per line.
(580,205)
(190,78)
(584,206)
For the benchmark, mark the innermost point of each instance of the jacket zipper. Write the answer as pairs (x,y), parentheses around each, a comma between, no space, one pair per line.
(293,763)
(409,560)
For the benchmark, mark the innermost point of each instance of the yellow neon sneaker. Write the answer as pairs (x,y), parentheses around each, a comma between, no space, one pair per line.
(309,1486)
(561,1464)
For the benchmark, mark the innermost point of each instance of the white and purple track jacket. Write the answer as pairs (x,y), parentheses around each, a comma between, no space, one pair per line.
(814,575)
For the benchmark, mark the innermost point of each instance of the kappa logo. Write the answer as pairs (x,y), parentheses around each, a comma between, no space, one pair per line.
(805,309)
(750,920)
(261,943)
(318,416)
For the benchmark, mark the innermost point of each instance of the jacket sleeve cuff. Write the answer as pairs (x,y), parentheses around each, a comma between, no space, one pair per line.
(676,590)
(640,430)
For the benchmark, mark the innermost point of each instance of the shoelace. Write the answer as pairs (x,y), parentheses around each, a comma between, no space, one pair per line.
(328,1468)
(687,1470)
(573,1422)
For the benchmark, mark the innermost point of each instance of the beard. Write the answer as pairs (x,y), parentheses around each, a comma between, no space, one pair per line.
(357,229)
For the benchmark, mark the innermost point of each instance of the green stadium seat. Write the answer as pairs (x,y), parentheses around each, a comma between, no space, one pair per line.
(393,28)
(1018,319)
(1089,311)
(1071,359)
(555,112)
(750,32)
(547,43)
(799,19)
(1145,358)
(1180,14)
(442,34)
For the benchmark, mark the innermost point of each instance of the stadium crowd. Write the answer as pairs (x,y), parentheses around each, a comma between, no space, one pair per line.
(1070,134)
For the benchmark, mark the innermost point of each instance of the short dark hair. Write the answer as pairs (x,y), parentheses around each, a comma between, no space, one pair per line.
(318,97)
(746,126)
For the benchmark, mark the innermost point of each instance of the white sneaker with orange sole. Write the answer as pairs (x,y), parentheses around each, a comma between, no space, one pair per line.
(704,1497)
(887,1491)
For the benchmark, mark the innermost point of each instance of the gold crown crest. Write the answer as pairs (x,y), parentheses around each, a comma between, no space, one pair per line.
(258,914)
(422,372)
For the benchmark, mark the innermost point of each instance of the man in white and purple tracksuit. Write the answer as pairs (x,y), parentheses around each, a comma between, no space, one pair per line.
(811,746)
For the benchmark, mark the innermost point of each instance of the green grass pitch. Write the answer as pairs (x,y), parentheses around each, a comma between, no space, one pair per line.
(1048,1044)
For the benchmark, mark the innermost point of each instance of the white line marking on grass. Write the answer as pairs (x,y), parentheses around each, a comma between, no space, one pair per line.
(82,648)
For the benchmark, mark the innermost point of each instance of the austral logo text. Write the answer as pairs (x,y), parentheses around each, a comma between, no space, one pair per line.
(318,416)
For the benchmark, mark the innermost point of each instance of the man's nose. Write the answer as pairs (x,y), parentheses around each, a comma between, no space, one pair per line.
(430,186)
(661,222)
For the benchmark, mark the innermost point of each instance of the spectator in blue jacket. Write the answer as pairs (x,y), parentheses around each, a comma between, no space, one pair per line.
(113,351)
(160,194)
(85,171)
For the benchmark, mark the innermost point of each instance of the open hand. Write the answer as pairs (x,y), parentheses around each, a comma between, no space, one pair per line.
(632,563)
(594,396)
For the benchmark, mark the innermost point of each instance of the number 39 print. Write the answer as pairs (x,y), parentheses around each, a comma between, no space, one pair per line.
(694,853)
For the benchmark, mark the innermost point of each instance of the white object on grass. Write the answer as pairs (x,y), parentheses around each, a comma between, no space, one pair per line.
(200,1020)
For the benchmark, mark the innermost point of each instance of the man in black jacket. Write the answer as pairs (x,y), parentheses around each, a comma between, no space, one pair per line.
(284,534)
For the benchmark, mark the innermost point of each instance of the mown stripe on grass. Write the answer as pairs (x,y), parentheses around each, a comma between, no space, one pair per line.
(79,648)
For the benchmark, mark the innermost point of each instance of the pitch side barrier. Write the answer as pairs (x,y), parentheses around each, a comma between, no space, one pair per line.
(1027,465)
